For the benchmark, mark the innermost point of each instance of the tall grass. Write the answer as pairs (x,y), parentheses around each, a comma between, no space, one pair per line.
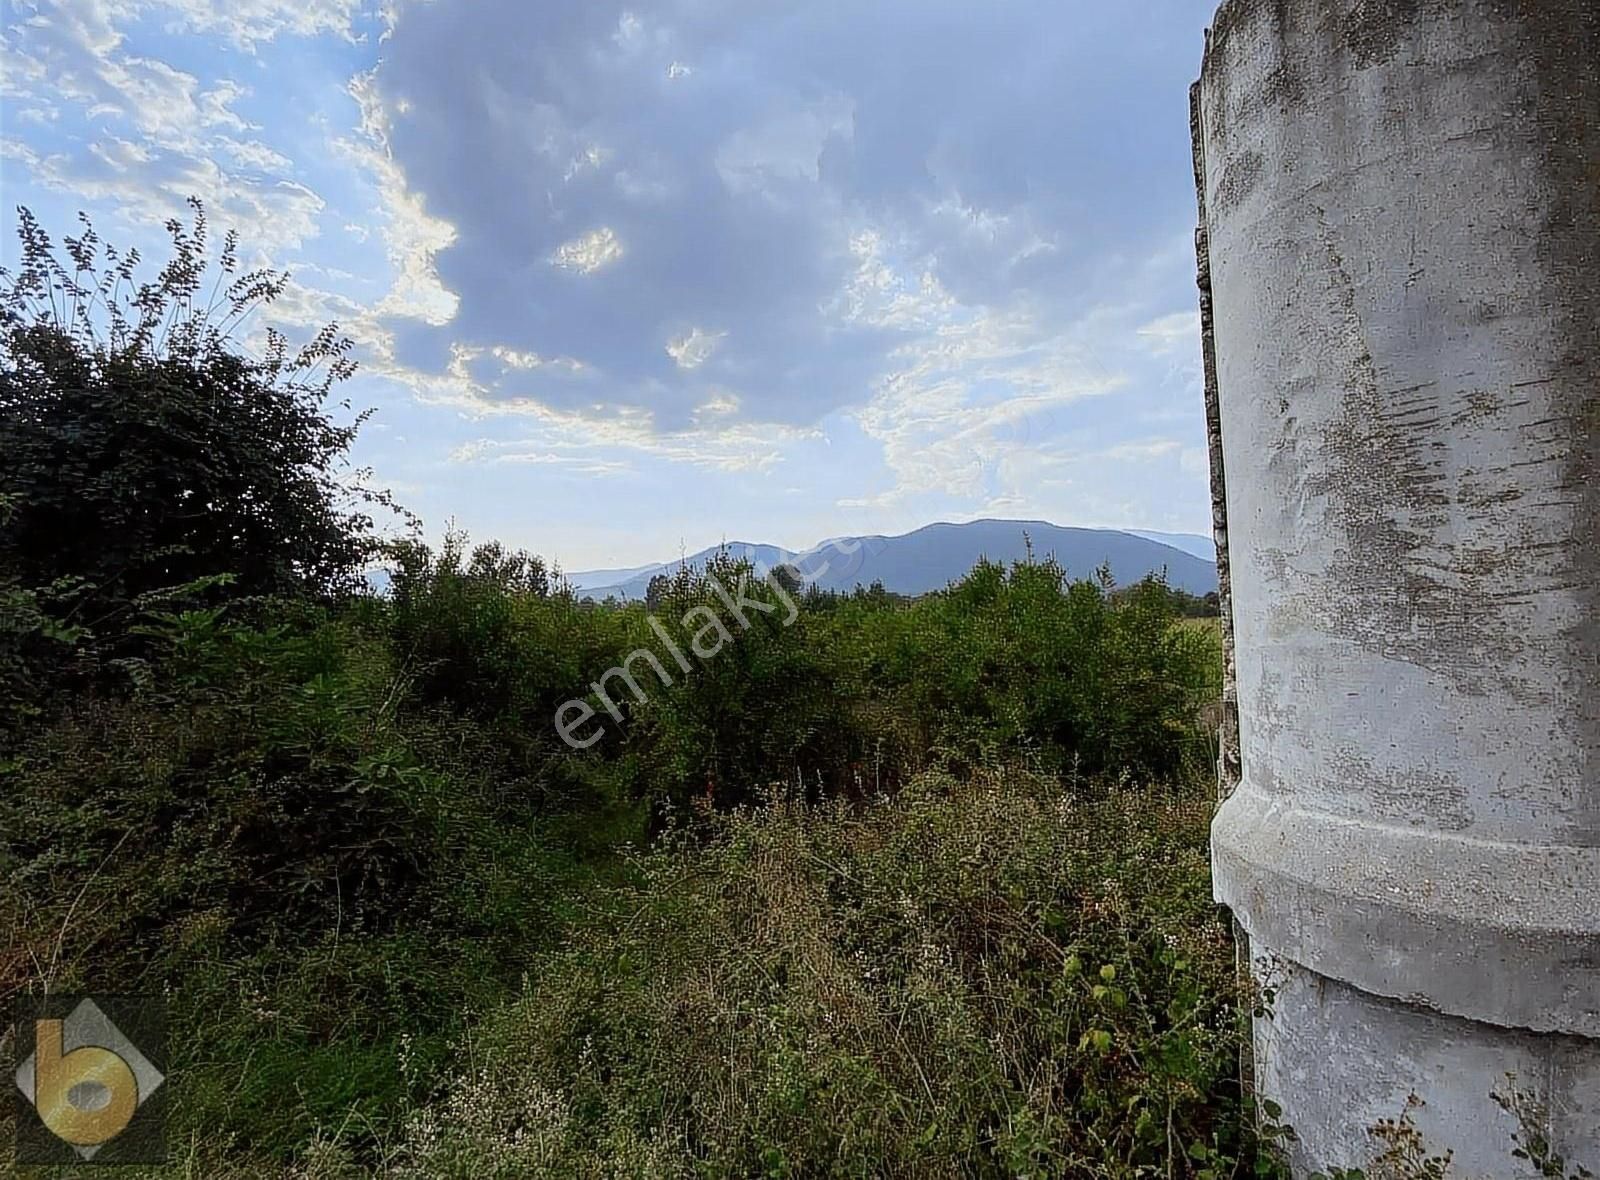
(1007,974)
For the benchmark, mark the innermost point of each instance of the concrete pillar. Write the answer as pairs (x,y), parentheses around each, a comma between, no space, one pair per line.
(1400,204)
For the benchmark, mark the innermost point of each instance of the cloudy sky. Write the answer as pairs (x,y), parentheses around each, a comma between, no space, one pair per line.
(629,277)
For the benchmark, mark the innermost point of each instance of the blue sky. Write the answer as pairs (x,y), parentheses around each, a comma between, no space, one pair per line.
(631,278)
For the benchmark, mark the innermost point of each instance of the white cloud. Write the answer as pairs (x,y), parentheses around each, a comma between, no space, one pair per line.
(589,253)
(589,159)
(637,186)
(630,31)
(513,359)
(1180,330)
(879,295)
(154,134)
(412,236)
(597,433)
(948,273)
(120,155)
(490,451)
(248,23)
(516,360)
(786,146)
(1155,448)
(215,107)
(693,348)
(610,436)
(251,154)
(148,187)
(972,387)
(717,405)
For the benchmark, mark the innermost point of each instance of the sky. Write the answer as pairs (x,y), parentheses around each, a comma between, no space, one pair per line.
(627,279)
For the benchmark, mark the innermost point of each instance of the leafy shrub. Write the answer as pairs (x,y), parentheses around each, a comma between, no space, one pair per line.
(496,637)
(146,454)
(262,832)
(765,707)
(1023,662)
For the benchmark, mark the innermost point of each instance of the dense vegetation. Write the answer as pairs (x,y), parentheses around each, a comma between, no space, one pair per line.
(879,887)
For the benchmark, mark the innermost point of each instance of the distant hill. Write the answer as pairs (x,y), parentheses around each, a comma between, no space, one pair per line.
(1205,547)
(599,583)
(934,556)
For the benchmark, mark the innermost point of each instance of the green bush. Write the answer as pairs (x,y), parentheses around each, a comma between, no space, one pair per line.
(767,706)
(1021,662)
(264,832)
(328,833)
(143,451)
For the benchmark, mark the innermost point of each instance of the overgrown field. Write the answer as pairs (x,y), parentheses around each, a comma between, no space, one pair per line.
(872,887)
(845,900)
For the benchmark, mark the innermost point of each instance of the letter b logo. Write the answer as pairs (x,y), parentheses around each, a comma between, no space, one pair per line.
(87,1085)
(87,1096)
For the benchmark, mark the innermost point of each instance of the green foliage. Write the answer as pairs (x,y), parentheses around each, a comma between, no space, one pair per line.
(497,637)
(764,705)
(490,632)
(1021,662)
(144,452)
(264,832)
(259,772)
(322,830)
(839,695)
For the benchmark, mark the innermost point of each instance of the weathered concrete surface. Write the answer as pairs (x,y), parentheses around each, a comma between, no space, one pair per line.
(1362,1058)
(1401,214)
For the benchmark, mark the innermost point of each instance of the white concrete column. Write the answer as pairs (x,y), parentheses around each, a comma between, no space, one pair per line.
(1401,202)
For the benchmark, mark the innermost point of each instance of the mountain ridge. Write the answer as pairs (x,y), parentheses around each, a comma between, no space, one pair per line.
(932,556)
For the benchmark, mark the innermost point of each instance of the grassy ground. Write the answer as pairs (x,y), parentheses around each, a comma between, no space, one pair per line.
(1002,975)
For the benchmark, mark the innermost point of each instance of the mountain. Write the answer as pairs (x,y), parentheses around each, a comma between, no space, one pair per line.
(601,582)
(934,556)
(1194,543)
